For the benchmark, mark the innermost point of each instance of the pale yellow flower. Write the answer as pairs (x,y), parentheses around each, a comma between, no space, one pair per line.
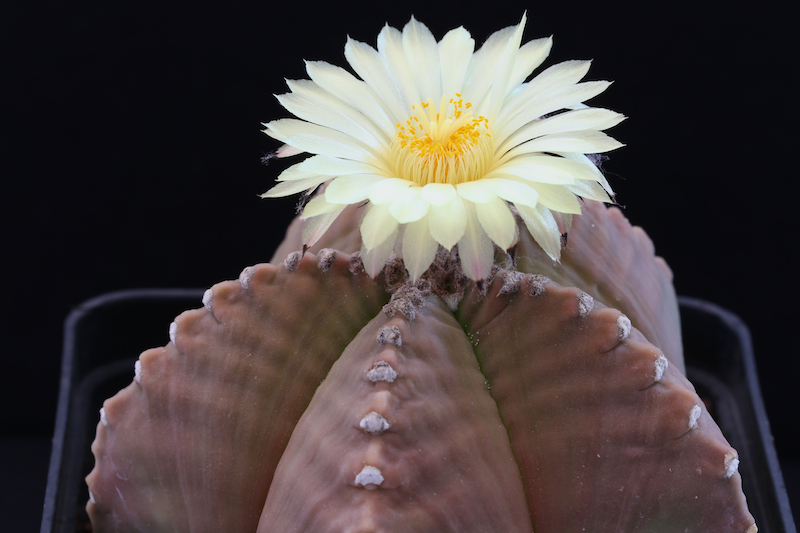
(439,141)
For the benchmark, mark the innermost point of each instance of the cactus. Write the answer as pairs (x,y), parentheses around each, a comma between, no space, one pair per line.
(531,406)
(421,355)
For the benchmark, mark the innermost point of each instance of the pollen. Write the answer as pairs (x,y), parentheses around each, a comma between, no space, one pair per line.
(447,144)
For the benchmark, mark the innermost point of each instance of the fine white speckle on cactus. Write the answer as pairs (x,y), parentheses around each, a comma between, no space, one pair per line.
(585,304)
(325,258)
(406,300)
(356,264)
(731,464)
(661,366)
(537,284)
(244,277)
(624,327)
(369,477)
(292,261)
(374,423)
(381,371)
(511,282)
(390,334)
(694,414)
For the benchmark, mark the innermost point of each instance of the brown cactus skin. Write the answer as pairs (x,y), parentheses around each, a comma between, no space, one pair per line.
(601,444)
(616,264)
(445,457)
(194,445)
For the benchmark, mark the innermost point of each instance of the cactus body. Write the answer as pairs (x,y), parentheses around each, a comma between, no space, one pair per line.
(310,397)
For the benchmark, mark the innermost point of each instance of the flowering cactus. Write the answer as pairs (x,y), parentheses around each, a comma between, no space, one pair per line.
(395,369)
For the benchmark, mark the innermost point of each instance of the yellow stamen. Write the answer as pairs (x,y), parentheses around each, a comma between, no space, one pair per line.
(444,146)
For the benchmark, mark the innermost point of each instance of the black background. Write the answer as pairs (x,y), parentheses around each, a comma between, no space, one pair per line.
(131,142)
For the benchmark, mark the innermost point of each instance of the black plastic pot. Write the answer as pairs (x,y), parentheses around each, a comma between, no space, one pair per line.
(104,337)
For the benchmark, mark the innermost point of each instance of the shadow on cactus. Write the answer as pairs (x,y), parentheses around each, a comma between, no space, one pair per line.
(426,352)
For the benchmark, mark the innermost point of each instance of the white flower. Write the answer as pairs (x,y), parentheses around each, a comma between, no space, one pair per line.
(439,141)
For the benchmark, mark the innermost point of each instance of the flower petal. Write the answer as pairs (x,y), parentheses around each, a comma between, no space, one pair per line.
(551,80)
(286,151)
(314,104)
(419,248)
(475,248)
(351,189)
(590,118)
(438,193)
(530,55)
(355,92)
(498,222)
(584,142)
(448,222)
(513,190)
(373,69)
(543,103)
(537,160)
(375,259)
(478,191)
(535,174)
(388,190)
(422,56)
(543,228)
(562,168)
(587,163)
(285,188)
(315,144)
(483,65)
(543,169)
(332,166)
(502,74)
(590,190)
(410,206)
(455,52)
(377,224)
(318,206)
(296,172)
(318,225)
(558,198)
(390,46)
(316,139)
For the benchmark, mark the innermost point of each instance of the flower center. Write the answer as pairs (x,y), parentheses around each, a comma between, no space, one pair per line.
(444,146)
